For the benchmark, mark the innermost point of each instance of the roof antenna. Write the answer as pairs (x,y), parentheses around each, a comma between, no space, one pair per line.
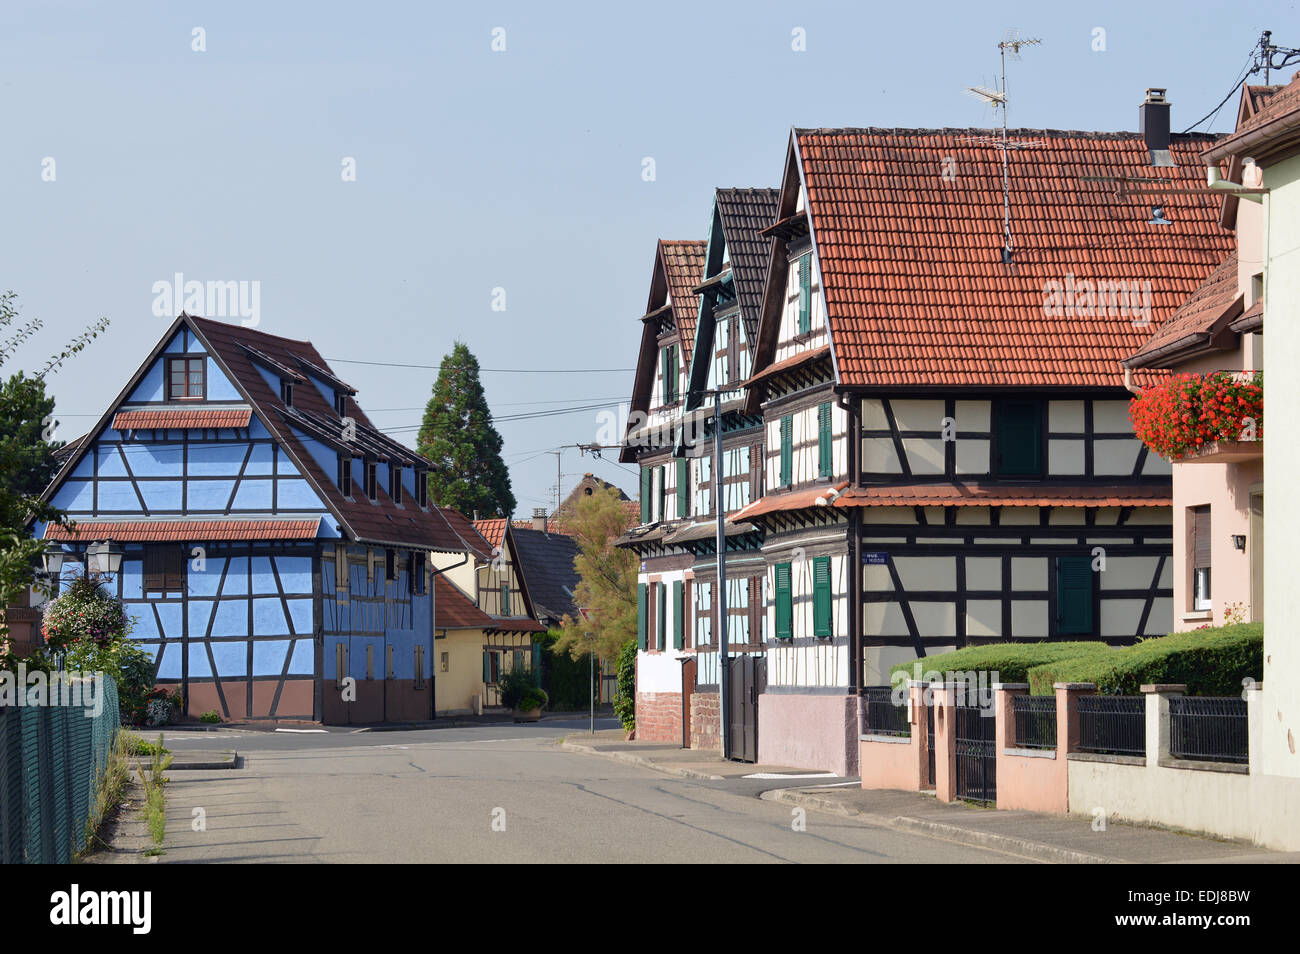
(1271,57)
(1011,43)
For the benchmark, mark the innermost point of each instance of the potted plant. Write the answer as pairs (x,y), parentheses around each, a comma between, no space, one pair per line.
(520,693)
(529,706)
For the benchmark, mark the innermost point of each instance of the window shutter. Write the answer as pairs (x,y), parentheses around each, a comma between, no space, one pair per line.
(805,294)
(1200,537)
(787,450)
(487,666)
(679,615)
(784,606)
(1019,438)
(822,596)
(825,463)
(1074,591)
(688,632)
(755,471)
(661,618)
(505,599)
(673,372)
(642,611)
(645,494)
(756,609)
(683,487)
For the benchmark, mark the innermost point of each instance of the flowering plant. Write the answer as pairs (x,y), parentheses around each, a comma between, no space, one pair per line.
(84,613)
(1182,414)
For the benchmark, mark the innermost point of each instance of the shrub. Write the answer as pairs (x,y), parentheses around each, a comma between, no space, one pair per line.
(532,699)
(514,684)
(1211,662)
(625,695)
(1010,661)
(212,715)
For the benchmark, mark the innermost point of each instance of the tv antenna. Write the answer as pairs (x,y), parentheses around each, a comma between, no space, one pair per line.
(997,98)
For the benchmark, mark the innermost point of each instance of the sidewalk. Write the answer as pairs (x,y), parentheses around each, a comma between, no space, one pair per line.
(1063,839)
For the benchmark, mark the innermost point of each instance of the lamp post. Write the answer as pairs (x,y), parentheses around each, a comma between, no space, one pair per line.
(104,557)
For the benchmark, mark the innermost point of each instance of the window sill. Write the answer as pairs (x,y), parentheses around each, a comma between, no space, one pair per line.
(1198,616)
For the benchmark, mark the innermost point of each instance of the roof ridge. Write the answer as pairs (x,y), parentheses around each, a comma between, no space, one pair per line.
(986,130)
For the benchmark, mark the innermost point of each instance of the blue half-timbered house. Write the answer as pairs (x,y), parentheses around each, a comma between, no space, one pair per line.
(275,545)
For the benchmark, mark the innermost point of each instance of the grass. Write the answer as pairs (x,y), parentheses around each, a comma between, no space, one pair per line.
(154,783)
(108,794)
(138,746)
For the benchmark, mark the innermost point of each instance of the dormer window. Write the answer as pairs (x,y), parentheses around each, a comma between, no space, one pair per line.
(286,393)
(371,479)
(422,488)
(341,403)
(185,379)
(345,474)
(395,482)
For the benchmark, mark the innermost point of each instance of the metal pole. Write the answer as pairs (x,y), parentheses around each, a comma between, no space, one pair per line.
(591,687)
(718,503)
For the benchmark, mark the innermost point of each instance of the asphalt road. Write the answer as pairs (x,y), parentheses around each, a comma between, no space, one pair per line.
(488,794)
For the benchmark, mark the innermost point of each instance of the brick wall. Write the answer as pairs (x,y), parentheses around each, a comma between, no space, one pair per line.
(704,721)
(659,717)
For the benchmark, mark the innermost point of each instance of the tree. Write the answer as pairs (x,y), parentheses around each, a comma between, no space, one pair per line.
(458,439)
(607,579)
(26,456)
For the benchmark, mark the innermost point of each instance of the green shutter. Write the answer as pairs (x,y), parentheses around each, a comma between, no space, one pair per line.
(1019,438)
(822,596)
(642,614)
(505,599)
(784,605)
(787,451)
(1074,596)
(679,615)
(487,666)
(683,487)
(661,620)
(805,294)
(645,495)
(537,659)
(825,460)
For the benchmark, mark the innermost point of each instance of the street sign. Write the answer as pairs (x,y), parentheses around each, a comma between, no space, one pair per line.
(875,557)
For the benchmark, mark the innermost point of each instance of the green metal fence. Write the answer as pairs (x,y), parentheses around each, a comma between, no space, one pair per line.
(51,756)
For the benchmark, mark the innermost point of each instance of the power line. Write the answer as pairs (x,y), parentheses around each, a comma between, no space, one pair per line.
(438,367)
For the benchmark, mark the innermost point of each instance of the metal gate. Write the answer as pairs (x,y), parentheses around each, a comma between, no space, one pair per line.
(976,755)
(746,678)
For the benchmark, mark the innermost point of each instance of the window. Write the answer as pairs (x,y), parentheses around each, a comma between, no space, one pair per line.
(186,379)
(783,602)
(390,565)
(164,568)
(787,451)
(822,596)
(415,573)
(825,457)
(661,493)
(444,662)
(422,488)
(1199,522)
(286,393)
(805,294)
(345,474)
(341,404)
(371,486)
(1074,596)
(642,612)
(669,358)
(702,504)
(683,487)
(395,482)
(1018,439)
(703,614)
(491,667)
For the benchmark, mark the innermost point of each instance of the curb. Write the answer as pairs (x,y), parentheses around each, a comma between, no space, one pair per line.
(224,760)
(640,760)
(1022,847)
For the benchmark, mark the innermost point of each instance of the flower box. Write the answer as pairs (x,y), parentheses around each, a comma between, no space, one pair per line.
(1216,417)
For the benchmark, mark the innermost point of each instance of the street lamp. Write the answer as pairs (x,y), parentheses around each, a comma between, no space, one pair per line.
(52,559)
(104,557)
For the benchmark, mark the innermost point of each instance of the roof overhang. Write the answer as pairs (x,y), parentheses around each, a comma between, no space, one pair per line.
(166,530)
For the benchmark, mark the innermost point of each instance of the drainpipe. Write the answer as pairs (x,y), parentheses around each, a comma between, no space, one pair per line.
(1128,382)
(850,406)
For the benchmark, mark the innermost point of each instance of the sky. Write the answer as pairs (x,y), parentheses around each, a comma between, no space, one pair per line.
(499,194)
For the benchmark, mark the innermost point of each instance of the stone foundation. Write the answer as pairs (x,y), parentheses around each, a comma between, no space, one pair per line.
(659,717)
(704,722)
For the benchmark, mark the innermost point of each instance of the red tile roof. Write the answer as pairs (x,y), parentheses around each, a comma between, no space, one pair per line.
(684,266)
(183,417)
(493,531)
(976,495)
(915,288)
(790,500)
(1273,120)
(184,531)
(453,609)
(516,626)
(793,361)
(1210,307)
(465,529)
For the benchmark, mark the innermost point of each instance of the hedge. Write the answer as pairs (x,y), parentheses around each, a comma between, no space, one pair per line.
(1210,662)
(1010,661)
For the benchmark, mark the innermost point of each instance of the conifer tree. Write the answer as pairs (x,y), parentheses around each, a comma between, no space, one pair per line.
(462,445)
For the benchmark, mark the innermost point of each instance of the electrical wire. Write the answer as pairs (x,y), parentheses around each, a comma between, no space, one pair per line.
(438,367)
(1250,67)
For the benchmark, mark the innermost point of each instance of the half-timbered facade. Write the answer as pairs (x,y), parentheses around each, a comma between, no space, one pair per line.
(949,456)
(275,545)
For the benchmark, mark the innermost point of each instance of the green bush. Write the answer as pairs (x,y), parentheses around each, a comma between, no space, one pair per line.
(211,716)
(513,685)
(532,699)
(625,695)
(567,681)
(1210,662)
(1010,661)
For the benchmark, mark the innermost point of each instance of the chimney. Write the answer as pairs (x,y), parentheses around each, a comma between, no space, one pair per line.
(539,519)
(1153,123)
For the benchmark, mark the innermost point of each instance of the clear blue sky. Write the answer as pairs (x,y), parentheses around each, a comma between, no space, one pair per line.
(478,169)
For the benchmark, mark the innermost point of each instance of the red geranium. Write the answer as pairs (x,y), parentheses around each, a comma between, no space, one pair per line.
(1188,411)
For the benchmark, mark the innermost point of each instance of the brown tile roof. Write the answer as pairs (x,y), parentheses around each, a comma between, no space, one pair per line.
(452,609)
(915,288)
(790,500)
(976,495)
(1209,308)
(684,267)
(493,531)
(182,418)
(1280,105)
(801,357)
(465,529)
(744,212)
(502,625)
(382,521)
(183,531)
(1251,319)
